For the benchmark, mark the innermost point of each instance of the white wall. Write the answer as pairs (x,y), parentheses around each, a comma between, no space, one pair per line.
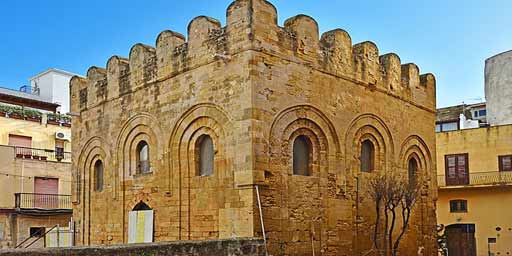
(54,87)
(61,91)
(498,88)
(44,83)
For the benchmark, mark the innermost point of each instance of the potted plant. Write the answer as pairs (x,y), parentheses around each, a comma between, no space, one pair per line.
(32,115)
(15,112)
(65,120)
(3,110)
(53,119)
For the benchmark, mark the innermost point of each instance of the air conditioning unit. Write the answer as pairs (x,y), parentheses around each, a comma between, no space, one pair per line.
(63,136)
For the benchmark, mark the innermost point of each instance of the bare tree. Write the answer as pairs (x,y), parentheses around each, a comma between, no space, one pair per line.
(394,198)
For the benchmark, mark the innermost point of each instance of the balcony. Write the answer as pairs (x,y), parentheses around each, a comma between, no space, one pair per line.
(42,204)
(42,154)
(30,90)
(477,179)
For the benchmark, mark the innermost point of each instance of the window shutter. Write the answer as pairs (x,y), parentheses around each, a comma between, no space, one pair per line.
(505,163)
(132,227)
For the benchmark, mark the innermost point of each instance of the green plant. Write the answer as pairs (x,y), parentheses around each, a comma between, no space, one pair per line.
(59,117)
(32,113)
(11,109)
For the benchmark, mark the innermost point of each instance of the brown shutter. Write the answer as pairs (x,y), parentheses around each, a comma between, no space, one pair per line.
(20,141)
(505,163)
(46,186)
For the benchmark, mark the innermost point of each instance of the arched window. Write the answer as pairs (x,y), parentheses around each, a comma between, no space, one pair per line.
(143,165)
(367,156)
(205,156)
(302,156)
(98,176)
(412,171)
(141,206)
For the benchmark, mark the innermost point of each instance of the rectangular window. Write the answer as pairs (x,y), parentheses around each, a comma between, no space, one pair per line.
(458,206)
(482,112)
(59,149)
(20,141)
(445,127)
(456,169)
(475,114)
(37,231)
(505,163)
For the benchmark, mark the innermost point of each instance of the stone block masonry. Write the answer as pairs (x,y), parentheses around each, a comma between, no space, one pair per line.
(236,247)
(248,103)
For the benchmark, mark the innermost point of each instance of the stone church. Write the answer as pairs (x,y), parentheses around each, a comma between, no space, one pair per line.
(186,139)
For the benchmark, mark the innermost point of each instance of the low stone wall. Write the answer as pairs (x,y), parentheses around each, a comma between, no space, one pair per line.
(250,247)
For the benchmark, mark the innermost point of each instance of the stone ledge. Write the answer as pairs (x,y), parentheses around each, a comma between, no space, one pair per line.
(232,247)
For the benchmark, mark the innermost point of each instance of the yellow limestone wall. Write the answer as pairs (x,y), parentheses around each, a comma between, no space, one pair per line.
(252,86)
(489,207)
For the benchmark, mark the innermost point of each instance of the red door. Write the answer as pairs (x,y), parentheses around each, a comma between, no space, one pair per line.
(45,193)
(457,171)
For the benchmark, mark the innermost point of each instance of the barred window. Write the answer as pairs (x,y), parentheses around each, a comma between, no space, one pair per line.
(143,164)
(458,206)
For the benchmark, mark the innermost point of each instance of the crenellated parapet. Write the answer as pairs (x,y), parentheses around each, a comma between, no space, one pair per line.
(252,26)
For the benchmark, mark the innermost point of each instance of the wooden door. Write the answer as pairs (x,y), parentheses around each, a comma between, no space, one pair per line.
(457,170)
(461,240)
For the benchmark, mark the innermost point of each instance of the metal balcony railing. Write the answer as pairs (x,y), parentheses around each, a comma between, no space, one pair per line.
(476,179)
(43,154)
(30,90)
(42,201)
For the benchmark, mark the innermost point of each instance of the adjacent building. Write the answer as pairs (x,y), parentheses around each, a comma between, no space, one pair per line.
(474,163)
(35,168)
(191,140)
(498,88)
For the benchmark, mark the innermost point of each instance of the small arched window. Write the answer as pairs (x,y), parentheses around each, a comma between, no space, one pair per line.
(412,171)
(302,156)
(205,156)
(367,156)
(141,206)
(143,165)
(98,176)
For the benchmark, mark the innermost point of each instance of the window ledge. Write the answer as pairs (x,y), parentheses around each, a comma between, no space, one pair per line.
(140,175)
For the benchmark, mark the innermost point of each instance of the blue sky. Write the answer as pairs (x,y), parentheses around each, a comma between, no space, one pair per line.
(450,38)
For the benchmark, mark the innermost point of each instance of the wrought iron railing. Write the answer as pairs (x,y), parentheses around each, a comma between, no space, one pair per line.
(477,178)
(42,201)
(30,89)
(43,154)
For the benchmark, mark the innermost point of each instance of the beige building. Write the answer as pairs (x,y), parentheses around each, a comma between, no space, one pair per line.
(35,169)
(474,164)
(183,140)
(475,189)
